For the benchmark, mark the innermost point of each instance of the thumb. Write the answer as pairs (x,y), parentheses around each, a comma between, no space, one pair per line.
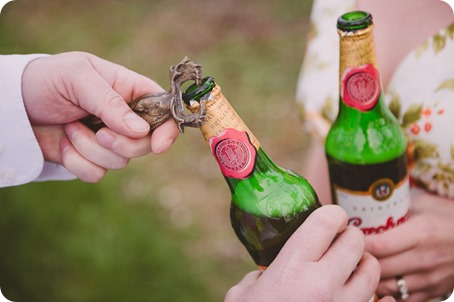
(100,99)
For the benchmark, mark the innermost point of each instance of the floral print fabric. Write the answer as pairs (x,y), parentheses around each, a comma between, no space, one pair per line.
(420,94)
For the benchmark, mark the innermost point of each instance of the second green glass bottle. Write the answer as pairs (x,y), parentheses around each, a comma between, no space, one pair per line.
(366,147)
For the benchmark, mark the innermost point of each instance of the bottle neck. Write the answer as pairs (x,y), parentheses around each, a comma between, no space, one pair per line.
(359,79)
(232,143)
(221,116)
(357,48)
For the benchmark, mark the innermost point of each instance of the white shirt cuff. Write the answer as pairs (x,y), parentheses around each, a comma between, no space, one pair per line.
(21,159)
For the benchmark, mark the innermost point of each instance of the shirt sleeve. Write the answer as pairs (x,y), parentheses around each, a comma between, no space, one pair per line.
(21,159)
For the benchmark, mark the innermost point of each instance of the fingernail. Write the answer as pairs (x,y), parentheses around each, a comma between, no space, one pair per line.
(136,123)
(71,130)
(164,146)
(107,140)
(65,144)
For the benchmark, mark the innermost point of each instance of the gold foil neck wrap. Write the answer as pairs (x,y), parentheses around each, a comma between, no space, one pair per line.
(220,115)
(356,48)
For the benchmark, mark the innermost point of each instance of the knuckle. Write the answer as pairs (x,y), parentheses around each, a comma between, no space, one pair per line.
(375,264)
(121,163)
(354,239)
(107,101)
(321,294)
(387,287)
(330,216)
(426,260)
(113,99)
(232,294)
(433,280)
(77,53)
(324,222)
(125,152)
(244,293)
(80,167)
(375,245)
(93,175)
(372,277)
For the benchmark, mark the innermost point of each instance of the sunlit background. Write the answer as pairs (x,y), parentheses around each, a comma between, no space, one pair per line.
(158,230)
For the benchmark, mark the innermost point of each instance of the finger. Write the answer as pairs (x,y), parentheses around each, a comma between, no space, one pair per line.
(403,264)
(387,299)
(123,145)
(363,282)
(79,166)
(425,202)
(49,137)
(394,241)
(433,283)
(92,92)
(129,84)
(419,296)
(83,140)
(102,101)
(389,286)
(313,237)
(164,136)
(345,253)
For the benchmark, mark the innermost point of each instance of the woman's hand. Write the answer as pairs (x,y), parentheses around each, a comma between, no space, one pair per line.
(421,251)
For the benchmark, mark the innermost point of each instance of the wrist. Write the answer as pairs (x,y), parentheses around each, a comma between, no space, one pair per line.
(21,159)
(30,87)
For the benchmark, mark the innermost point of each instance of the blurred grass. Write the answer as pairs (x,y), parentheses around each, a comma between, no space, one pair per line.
(158,230)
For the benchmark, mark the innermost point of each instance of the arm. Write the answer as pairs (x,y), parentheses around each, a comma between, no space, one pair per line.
(59,90)
(21,159)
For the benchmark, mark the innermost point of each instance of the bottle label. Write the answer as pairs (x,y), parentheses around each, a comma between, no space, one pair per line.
(234,152)
(220,115)
(361,87)
(383,207)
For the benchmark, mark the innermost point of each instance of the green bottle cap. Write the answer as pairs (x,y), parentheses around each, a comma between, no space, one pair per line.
(196,93)
(353,21)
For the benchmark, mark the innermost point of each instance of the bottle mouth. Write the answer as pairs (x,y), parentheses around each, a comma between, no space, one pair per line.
(354,20)
(196,93)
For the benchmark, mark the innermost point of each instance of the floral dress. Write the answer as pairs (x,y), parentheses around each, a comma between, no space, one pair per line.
(420,94)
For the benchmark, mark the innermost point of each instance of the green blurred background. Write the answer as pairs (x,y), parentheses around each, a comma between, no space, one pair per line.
(158,230)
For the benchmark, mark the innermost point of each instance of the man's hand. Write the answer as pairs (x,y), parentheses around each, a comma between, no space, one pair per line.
(61,89)
(322,261)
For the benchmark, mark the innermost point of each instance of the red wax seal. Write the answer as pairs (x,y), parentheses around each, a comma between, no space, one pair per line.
(234,153)
(361,87)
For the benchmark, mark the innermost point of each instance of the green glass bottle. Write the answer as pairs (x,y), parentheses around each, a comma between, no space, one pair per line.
(366,147)
(268,202)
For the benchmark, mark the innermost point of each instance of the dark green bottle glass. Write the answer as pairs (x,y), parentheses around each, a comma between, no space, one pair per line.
(268,202)
(366,147)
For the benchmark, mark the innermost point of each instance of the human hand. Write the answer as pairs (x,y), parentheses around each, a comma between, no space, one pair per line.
(420,250)
(322,261)
(61,89)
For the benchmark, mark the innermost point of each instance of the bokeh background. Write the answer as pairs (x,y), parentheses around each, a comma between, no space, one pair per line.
(158,230)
